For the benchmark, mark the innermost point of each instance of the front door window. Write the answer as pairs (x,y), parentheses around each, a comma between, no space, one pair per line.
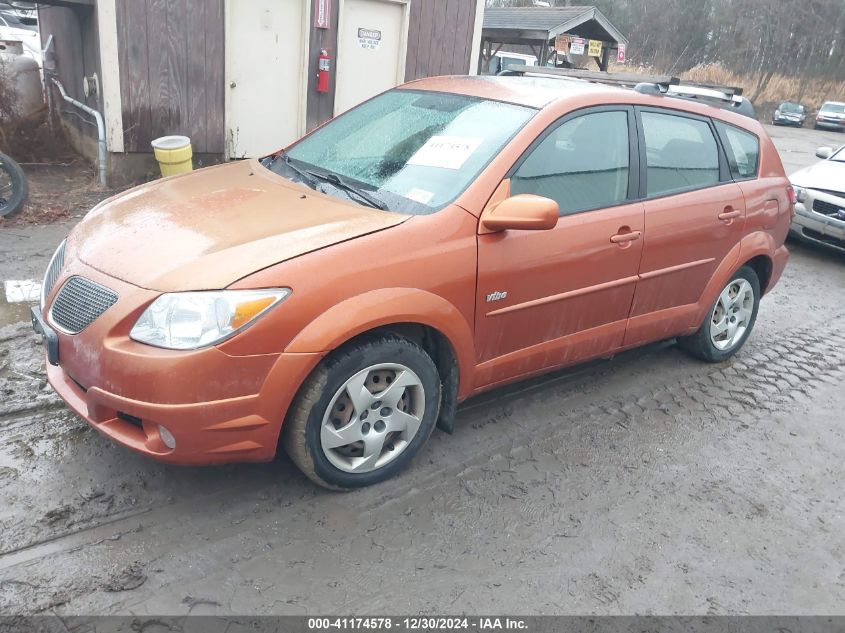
(582,165)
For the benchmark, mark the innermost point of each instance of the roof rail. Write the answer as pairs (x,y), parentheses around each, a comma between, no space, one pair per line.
(728,97)
(623,79)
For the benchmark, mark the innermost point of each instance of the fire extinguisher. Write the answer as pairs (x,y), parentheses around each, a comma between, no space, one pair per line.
(324,66)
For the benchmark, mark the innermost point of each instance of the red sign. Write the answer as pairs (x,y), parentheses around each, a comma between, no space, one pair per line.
(322,14)
(620,54)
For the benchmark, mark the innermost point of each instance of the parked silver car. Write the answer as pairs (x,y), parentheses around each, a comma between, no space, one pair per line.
(831,116)
(820,193)
(789,113)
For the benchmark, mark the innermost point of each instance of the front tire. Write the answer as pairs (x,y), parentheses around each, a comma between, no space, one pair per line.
(729,322)
(364,413)
(13,186)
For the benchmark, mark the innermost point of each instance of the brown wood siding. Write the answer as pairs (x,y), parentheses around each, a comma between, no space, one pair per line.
(440,38)
(320,106)
(171,66)
(76,54)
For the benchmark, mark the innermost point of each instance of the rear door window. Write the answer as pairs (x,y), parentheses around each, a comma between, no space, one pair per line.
(583,164)
(743,149)
(681,154)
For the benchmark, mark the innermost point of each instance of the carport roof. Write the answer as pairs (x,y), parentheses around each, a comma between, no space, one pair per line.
(516,25)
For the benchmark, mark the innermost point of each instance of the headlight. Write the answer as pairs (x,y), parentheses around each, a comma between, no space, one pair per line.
(190,320)
(777,112)
(800,193)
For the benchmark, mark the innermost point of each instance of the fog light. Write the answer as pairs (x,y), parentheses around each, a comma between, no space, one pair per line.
(166,437)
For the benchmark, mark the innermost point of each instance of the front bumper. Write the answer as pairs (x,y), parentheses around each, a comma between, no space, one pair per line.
(242,429)
(218,407)
(838,125)
(811,225)
(782,120)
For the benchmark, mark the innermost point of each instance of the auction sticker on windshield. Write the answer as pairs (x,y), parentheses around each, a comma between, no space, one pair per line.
(420,195)
(447,152)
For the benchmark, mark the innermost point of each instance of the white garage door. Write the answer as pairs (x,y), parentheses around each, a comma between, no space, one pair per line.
(265,75)
(372,46)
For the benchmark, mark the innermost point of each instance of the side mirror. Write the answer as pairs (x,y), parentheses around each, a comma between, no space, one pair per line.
(524,212)
(824,152)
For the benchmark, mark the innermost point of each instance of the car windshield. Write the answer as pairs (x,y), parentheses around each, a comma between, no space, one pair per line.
(839,155)
(791,107)
(414,151)
(838,108)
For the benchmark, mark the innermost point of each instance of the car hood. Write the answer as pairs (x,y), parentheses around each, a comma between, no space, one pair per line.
(827,174)
(207,229)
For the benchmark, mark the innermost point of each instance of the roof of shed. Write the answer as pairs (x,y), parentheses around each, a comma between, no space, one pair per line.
(540,23)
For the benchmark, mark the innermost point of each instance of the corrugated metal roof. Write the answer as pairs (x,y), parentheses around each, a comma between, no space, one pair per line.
(531,18)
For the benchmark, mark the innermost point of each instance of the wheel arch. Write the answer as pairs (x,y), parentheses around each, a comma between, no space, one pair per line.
(755,250)
(763,266)
(428,319)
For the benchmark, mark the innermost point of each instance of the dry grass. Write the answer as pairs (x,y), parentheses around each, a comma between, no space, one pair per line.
(780,88)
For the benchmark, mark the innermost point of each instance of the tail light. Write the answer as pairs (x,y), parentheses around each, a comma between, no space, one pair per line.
(790,190)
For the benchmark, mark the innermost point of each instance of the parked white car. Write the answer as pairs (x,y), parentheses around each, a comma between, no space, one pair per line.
(11,29)
(820,207)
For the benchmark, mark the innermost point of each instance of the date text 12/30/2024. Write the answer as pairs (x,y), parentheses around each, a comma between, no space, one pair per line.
(417,624)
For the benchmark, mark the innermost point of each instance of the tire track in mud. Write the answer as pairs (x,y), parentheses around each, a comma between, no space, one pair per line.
(703,392)
(760,381)
(75,518)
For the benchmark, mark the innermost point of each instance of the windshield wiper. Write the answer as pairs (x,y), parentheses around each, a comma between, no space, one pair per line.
(340,183)
(306,177)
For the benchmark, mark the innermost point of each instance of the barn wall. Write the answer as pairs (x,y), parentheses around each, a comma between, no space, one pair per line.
(440,38)
(172,72)
(74,55)
(321,105)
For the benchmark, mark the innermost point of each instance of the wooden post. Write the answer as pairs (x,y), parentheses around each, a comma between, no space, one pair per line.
(544,52)
(604,60)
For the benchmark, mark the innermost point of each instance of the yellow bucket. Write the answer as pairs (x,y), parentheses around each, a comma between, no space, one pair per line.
(174,154)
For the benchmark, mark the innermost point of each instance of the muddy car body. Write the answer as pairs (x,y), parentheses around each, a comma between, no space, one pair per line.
(368,326)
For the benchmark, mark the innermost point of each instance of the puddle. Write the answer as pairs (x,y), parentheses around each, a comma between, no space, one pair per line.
(16,299)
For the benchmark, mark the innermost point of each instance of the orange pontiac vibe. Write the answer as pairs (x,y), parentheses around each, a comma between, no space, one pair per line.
(341,297)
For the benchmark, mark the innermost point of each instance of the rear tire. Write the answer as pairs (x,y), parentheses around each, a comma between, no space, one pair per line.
(729,321)
(13,186)
(364,413)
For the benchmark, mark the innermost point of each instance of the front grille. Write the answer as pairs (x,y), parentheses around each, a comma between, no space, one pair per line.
(133,420)
(79,302)
(821,237)
(53,272)
(828,208)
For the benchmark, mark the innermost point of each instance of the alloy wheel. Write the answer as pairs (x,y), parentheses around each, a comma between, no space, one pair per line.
(372,418)
(732,315)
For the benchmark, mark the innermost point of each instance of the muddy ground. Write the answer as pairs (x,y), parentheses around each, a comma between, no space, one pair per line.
(647,484)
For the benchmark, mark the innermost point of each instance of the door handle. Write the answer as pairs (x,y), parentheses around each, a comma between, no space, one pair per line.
(622,238)
(730,214)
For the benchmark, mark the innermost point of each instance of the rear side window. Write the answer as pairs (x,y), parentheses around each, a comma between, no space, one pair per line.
(583,164)
(681,154)
(743,150)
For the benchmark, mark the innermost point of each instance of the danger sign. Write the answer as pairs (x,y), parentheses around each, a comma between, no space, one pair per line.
(369,38)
